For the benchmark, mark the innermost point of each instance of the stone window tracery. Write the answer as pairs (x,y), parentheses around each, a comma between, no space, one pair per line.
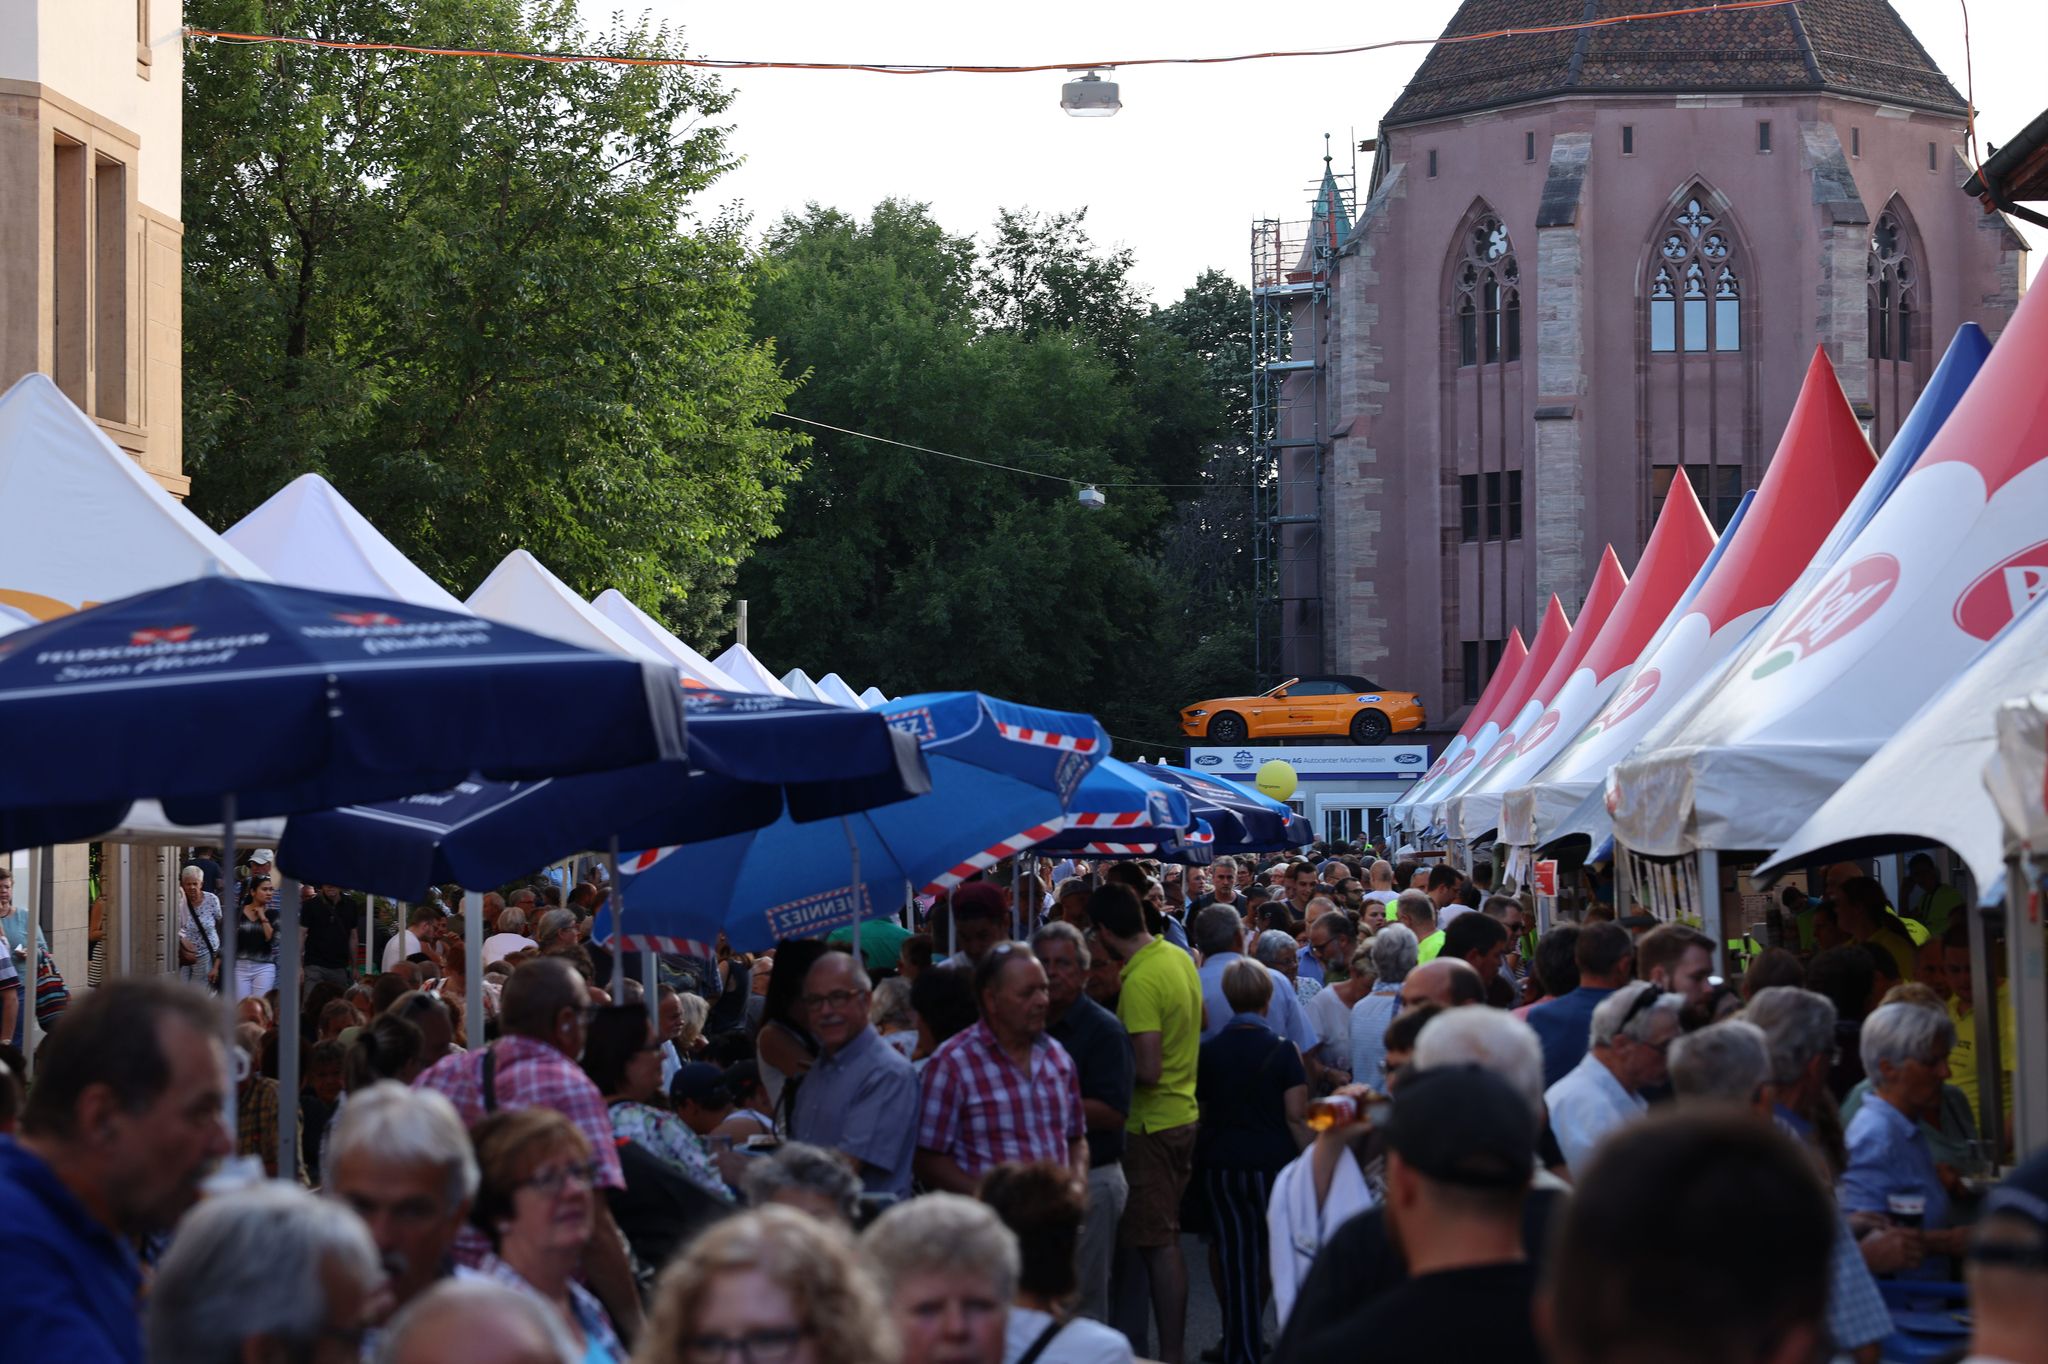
(1488,297)
(1696,290)
(1894,298)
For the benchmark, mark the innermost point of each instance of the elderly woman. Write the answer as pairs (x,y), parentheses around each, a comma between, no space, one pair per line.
(1043,1207)
(256,939)
(1329,1013)
(1394,951)
(893,1016)
(1281,952)
(809,1179)
(622,1057)
(767,1287)
(1891,1177)
(1253,1090)
(948,1268)
(1947,1123)
(537,1202)
(198,929)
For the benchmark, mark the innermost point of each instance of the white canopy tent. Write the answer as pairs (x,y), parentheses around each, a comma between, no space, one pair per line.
(521,591)
(833,688)
(873,697)
(306,534)
(1514,657)
(2017,777)
(800,685)
(1942,567)
(1553,636)
(617,608)
(752,675)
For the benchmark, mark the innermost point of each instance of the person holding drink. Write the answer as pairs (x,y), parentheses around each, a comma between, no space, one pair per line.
(1253,1090)
(1890,1179)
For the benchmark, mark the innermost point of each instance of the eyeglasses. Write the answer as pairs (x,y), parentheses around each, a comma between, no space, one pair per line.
(754,1347)
(838,999)
(552,1181)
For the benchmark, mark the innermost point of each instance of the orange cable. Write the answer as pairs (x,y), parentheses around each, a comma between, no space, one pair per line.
(912,69)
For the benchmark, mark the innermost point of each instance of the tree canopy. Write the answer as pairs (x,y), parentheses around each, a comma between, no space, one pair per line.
(478,296)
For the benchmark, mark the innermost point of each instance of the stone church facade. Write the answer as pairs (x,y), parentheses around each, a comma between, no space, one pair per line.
(1589,263)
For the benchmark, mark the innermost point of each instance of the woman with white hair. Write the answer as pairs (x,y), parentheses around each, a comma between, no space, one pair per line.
(198,929)
(1891,1177)
(1394,952)
(948,1268)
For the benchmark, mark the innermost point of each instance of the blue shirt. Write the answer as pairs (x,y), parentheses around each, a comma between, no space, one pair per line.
(1285,1014)
(1309,966)
(862,1100)
(1564,1025)
(72,1285)
(1888,1154)
(1369,1019)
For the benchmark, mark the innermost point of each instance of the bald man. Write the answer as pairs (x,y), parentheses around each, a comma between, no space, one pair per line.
(1447,982)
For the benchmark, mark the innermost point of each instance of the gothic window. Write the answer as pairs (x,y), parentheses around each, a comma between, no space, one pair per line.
(1696,291)
(1893,298)
(1488,297)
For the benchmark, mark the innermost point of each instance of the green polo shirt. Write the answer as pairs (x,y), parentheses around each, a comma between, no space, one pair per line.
(1427,949)
(1162,993)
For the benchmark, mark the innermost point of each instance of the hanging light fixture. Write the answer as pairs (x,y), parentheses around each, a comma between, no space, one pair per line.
(1091,497)
(1090,96)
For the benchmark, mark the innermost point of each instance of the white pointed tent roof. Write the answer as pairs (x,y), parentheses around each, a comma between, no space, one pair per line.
(1926,784)
(747,670)
(2017,774)
(306,534)
(832,687)
(617,608)
(800,685)
(873,697)
(85,524)
(1947,562)
(521,592)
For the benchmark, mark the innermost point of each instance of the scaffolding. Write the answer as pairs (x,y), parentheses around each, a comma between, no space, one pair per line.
(1290,286)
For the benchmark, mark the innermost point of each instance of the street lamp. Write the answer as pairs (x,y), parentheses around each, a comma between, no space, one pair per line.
(1090,96)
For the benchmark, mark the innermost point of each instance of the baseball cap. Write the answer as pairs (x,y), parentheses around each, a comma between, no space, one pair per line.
(700,1082)
(2012,1226)
(1463,1125)
(261,857)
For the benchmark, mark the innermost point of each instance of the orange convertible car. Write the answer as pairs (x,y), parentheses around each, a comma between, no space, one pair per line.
(1336,705)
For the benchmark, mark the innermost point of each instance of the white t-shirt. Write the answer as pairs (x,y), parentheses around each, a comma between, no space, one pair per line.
(1080,1341)
(1330,1016)
(1296,1227)
(499,946)
(399,948)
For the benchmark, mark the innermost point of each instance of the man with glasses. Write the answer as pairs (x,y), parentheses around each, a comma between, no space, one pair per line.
(1101,1051)
(544,1016)
(1631,1032)
(860,1097)
(1002,1092)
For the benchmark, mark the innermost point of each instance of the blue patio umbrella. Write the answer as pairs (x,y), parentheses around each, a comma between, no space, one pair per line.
(749,764)
(1004,777)
(296,700)
(1122,802)
(1245,820)
(1193,846)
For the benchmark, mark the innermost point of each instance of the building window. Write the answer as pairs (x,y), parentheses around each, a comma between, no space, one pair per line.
(1933,157)
(1855,142)
(1489,297)
(1528,146)
(110,290)
(71,270)
(1481,659)
(1628,139)
(89,216)
(1499,509)
(1763,136)
(1893,299)
(1432,163)
(1695,294)
(1718,501)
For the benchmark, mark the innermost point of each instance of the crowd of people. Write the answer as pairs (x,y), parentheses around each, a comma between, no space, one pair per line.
(1397,1123)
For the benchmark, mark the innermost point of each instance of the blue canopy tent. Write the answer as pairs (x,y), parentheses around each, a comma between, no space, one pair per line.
(1004,777)
(1245,819)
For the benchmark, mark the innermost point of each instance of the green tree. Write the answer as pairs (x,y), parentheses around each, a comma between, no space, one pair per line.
(477,295)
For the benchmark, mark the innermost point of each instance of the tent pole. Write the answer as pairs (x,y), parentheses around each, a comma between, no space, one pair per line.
(473,968)
(127,917)
(952,928)
(288,949)
(618,905)
(1708,889)
(28,967)
(650,986)
(369,936)
(167,884)
(2023,945)
(1992,1099)
(229,915)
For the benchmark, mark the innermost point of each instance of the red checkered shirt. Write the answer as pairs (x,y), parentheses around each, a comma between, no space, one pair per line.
(529,1074)
(982,1111)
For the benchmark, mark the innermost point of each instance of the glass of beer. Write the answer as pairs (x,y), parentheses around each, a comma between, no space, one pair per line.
(1907,1209)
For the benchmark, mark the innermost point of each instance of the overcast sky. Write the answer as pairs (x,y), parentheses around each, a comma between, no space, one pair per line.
(1196,153)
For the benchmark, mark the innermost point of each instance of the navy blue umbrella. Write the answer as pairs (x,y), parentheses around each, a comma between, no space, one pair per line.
(1245,820)
(752,759)
(1194,845)
(293,700)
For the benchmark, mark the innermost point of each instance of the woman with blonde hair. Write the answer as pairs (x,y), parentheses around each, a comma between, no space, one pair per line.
(774,1287)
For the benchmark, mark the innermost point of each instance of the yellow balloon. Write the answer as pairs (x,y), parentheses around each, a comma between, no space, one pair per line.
(1276,778)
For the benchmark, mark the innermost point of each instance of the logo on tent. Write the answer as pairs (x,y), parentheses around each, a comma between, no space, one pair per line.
(2004,590)
(1539,732)
(1501,748)
(367,619)
(167,634)
(1626,702)
(1464,761)
(1848,599)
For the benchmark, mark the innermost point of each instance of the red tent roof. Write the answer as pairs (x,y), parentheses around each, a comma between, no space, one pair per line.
(1512,657)
(1822,459)
(1552,635)
(1998,435)
(1679,543)
(1609,583)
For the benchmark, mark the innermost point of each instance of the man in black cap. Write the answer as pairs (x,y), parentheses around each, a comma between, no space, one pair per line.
(1461,1149)
(2008,1270)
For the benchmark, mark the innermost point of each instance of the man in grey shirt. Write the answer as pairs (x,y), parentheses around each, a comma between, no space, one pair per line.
(860,1098)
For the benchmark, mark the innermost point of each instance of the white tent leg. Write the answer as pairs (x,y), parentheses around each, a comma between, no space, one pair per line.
(288,951)
(1709,889)
(127,919)
(2030,1008)
(473,967)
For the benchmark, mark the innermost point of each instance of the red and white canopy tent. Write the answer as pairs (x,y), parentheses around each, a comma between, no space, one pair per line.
(1514,657)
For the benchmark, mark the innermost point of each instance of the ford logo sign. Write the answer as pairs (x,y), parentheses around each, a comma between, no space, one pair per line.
(1409,758)
(1363,700)
(1244,760)
(1208,760)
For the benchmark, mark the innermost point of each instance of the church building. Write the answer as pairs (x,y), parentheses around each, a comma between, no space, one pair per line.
(1589,263)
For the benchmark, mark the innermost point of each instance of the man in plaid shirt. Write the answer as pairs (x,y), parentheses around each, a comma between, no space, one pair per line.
(1002,1091)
